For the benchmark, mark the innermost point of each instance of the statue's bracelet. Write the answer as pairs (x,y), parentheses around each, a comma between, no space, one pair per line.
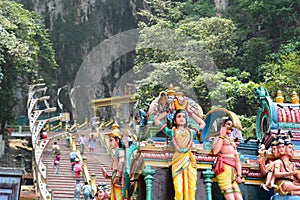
(221,137)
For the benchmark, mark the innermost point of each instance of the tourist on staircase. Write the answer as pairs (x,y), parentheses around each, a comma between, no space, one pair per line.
(77,191)
(82,141)
(77,167)
(88,192)
(73,156)
(55,149)
(68,140)
(92,141)
(56,163)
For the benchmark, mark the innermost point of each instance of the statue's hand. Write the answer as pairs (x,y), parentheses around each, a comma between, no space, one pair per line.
(223,131)
(104,173)
(239,179)
(261,159)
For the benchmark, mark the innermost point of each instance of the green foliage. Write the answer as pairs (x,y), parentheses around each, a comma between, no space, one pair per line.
(171,12)
(276,20)
(215,35)
(262,26)
(240,42)
(178,25)
(159,76)
(281,71)
(237,96)
(25,53)
(248,123)
(204,44)
(248,59)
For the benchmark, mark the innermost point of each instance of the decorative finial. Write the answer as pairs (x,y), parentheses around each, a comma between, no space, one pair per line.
(295,98)
(279,98)
(171,91)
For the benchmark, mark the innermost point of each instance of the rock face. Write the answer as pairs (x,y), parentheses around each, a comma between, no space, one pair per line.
(77,27)
(221,4)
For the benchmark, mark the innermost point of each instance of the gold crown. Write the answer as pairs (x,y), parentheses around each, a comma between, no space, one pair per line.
(171,91)
(115,126)
(115,132)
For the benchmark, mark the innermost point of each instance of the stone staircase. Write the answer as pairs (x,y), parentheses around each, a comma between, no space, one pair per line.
(63,183)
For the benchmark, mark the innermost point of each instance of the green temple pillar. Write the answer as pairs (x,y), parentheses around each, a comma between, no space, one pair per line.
(208,175)
(148,173)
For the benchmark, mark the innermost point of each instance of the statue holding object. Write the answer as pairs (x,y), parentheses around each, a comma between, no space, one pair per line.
(117,166)
(184,169)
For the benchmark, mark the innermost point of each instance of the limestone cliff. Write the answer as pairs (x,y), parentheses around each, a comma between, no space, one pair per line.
(78,26)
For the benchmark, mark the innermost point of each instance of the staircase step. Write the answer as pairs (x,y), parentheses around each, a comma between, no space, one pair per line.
(63,183)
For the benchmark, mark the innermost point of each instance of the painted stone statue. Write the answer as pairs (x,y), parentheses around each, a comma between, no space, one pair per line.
(228,167)
(184,169)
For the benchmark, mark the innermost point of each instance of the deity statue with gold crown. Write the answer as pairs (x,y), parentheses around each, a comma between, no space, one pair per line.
(183,161)
(117,165)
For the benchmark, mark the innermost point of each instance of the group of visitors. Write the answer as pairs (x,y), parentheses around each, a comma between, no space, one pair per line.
(85,189)
(102,193)
(91,141)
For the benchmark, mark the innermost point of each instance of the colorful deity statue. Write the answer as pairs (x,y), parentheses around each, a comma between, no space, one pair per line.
(117,165)
(267,170)
(184,169)
(228,167)
(285,171)
(160,104)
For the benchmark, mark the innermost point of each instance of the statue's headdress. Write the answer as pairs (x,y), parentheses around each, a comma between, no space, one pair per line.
(115,132)
(280,141)
(171,91)
(274,142)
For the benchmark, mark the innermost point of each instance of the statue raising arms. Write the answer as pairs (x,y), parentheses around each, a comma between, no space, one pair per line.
(228,167)
(184,169)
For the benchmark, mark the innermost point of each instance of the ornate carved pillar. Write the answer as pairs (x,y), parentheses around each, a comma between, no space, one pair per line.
(148,173)
(208,175)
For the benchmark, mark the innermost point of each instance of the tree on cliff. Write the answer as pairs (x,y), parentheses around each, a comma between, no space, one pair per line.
(26,53)
(241,40)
